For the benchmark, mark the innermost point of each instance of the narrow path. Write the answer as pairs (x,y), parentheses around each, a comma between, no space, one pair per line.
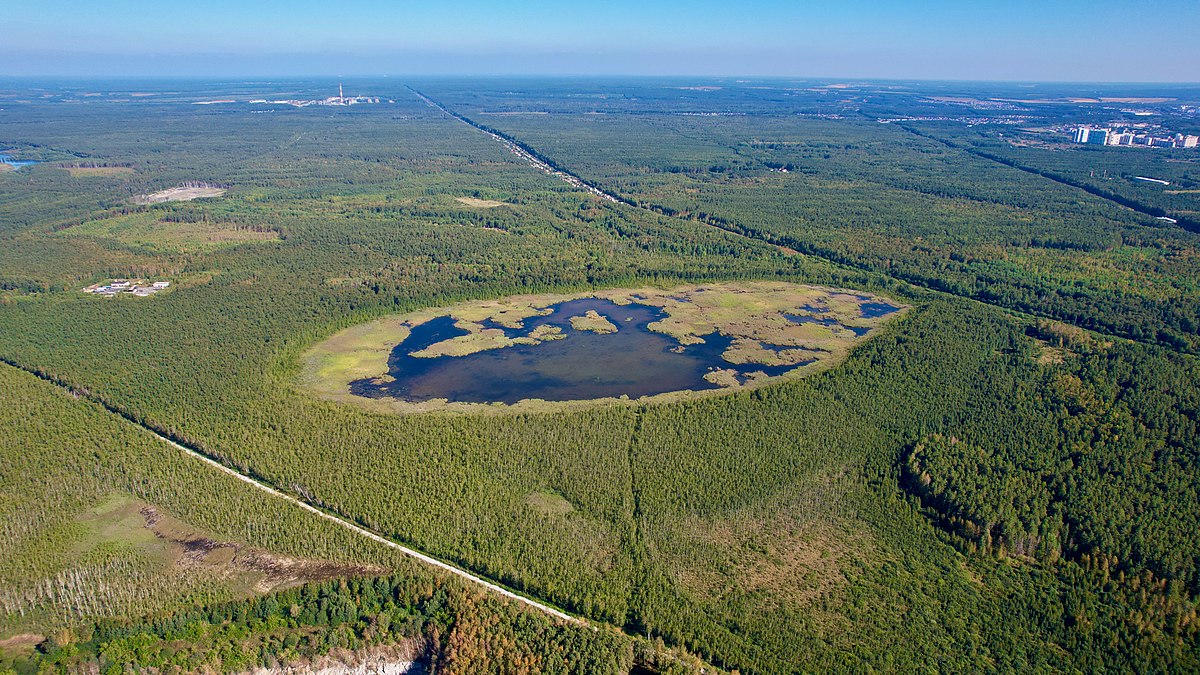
(544,164)
(528,154)
(447,567)
(262,485)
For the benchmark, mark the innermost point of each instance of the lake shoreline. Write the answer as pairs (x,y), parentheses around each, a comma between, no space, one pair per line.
(701,340)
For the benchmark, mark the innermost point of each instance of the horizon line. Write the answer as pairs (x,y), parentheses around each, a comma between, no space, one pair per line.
(581,76)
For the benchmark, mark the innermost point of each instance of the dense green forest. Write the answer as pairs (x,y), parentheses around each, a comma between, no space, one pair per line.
(1003,479)
(884,198)
(80,572)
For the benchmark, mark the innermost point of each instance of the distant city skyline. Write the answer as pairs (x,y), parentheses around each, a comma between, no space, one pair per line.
(1102,41)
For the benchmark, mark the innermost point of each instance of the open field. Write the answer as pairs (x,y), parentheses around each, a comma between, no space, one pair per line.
(179,194)
(151,231)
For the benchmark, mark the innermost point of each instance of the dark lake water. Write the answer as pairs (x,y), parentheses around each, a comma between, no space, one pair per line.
(634,361)
(17,163)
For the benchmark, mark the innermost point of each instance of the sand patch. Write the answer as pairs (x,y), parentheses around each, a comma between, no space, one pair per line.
(480,203)
(180,194)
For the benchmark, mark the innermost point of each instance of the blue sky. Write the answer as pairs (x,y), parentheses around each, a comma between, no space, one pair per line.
(1065,40)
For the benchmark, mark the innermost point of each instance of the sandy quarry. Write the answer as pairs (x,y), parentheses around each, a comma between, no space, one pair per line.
(179,194)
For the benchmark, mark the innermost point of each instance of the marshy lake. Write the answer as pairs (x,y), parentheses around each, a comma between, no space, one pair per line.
(634,361)
(530,352)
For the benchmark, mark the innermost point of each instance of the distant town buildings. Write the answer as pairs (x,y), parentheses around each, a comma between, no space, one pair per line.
(1091,136)
(340,99)
(1128,137)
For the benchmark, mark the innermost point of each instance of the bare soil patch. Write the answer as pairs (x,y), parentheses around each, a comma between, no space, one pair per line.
(21,644)
(195,551)
(406,656)
(1135,99)
(480,203)
(180,194)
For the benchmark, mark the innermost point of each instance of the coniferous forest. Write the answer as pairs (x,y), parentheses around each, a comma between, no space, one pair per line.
(1002,478)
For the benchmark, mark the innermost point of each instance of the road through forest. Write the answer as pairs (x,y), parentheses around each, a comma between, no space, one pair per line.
(357,529)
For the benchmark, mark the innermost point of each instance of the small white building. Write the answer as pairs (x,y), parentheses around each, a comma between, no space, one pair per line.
(119,283)
(159,285)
